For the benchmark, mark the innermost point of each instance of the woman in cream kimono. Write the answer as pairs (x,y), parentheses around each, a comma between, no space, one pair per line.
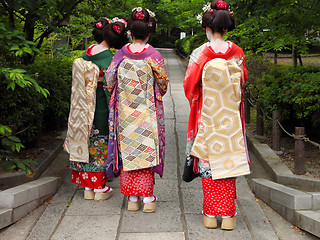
(88,131)
(216,143)
(137,80)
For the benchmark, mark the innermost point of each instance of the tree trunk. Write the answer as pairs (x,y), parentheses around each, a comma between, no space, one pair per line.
(275,58)
(29,33)
(294,56)
(300,60)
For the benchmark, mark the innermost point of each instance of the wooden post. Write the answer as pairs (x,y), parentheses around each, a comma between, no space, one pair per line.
(246,107)
(299,159)
(276,131)
(260,129)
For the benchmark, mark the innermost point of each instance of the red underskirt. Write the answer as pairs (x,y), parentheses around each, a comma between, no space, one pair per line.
(137,182)
(96,180)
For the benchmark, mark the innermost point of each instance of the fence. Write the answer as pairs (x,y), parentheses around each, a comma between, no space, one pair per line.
(277,128)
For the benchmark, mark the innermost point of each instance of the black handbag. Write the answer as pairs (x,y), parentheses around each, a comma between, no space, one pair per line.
(188,171)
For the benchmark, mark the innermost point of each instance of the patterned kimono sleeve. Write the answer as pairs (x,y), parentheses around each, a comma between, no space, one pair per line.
(110,77)
(160,73)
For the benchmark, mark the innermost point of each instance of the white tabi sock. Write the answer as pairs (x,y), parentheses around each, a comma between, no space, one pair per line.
(105,189)
(149,199)
(88,189)
(133,198)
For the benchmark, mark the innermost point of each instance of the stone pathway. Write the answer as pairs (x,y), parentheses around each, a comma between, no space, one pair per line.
(178,214)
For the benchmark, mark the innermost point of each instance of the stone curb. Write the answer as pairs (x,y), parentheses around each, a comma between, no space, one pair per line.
(17,202)
(43,161)
(299,208)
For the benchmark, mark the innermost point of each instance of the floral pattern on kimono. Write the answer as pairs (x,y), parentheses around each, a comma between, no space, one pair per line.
(98,149)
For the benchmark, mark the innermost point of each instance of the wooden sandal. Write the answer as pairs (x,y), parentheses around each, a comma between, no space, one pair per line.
(101,196)
(210,222)
(229,223)
(150,207)
(88,194)
(134,206)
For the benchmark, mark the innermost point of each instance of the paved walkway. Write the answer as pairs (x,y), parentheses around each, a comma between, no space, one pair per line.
(178,214)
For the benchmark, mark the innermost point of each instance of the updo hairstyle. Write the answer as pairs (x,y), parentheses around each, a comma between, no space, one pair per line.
(218,18)
(98,29)
(115,34)
(141,23)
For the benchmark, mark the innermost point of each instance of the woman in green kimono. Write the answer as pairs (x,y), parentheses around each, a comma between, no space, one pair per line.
(90,173)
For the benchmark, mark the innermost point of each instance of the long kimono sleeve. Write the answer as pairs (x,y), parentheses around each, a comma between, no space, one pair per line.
(110,77)
(191,83)
(160,73)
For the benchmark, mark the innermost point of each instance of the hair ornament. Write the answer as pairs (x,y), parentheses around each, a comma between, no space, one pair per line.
(139,15)
(211,10)
(206,7)
(117,29)
(108,20)
(150,24)
(199,18)
(151,14)
(221,5)
(116,19)
(99,25)
(138,9)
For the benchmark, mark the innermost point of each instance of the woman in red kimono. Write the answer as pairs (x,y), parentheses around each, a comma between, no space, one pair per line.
(219,193)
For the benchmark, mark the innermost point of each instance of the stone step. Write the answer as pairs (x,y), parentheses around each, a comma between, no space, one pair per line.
(299,208)
(17,202)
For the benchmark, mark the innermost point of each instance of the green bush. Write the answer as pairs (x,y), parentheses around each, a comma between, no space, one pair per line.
(295,92)
(26,109)
(186,45)
(55,74)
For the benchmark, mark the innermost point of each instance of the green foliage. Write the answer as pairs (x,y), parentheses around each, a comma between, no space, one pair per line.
(56,75)
(294,92)
(186,45)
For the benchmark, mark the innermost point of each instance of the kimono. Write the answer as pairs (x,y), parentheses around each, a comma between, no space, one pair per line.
(137,82)
(219,189)
(91,171)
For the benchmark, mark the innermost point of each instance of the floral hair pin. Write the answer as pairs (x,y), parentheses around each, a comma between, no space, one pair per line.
(139,9)
(99,25)
(116,19)
(152,14)
(206,7)
(117,29)
(221,5)
(108,20)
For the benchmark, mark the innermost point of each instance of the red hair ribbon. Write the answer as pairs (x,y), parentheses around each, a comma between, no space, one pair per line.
(116,28)
(221,5)
(139,15)
(99,25)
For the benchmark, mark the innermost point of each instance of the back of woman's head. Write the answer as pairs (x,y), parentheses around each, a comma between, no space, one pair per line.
(115,33)
(141,23)
(219,18)
(98,29)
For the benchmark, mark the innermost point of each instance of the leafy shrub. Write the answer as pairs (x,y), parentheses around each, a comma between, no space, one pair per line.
(295,92)
(54,74)
(186,45)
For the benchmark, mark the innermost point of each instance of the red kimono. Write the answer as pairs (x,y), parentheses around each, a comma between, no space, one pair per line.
(219,195)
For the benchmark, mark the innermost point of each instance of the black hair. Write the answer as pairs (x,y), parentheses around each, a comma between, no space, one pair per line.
(141,25)
(115,34)
(98,29)
(218,19)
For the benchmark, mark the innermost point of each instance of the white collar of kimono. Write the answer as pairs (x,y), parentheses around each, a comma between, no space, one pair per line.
(97,48)
(218,45)
(138,47)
